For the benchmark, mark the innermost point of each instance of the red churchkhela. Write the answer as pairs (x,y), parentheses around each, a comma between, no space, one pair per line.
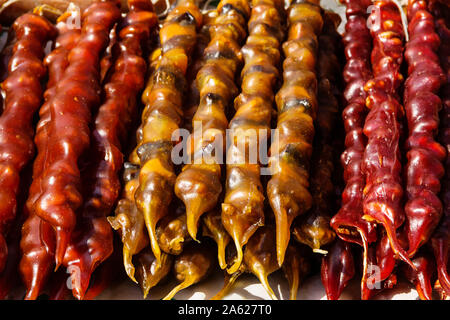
(92,241)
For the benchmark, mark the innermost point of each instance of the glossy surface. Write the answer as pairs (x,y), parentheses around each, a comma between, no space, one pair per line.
(23,96)
(348,222)
(383,193)
(92,240)
(337,269)
(440,240)
(243,206)
(288,189)
(199,185)
(55,194)
(425,155)
(162,115)
(193,265)
(314,229)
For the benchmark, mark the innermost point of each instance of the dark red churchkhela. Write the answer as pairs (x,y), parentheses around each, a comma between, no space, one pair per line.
(23,96)
(337,268)
(62,132)
(348,222)
(77,94)
(423,278)
(383,193)
(92,240)
(440,241)
(422,105)
(37,247)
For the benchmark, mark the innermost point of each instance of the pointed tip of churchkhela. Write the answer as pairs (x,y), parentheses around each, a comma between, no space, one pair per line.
(149,274)
(151,219)
(34,281)
(397,248)
(390,229)
(186,283)
(239,257)
(221,252)
(80,279)
(154,243)
(337,269)
(260,257)
(62,241)
(229,280)
(296,266)
(194,264)
(213,228)
(241,225)
(128,264)
(282,233)
(422,278)
(265,283)
(193,213)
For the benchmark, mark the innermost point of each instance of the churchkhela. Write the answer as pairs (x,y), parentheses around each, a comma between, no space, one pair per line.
(383,193)
(258,115)
(425,155)
(163,98)
(68,136)
(38,254)
(199,185)
(288,188)
(314,228)
(440,240)
(92,241)
(243,205)
(23,96)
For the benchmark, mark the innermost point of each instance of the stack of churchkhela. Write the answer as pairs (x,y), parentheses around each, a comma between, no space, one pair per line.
(393,161)
(135,134)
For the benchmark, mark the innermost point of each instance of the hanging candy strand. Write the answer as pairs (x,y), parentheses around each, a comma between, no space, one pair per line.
(92,240)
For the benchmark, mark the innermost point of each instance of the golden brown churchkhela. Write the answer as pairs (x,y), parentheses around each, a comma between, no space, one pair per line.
(162,115)
(128,220)
(260,259)
(57,192)
(193,265)
(213,228)
(149,271)
(296,101)
(171,231)
(424,277)
(383,193)
(314,229)
(199,185)
(243,206)
(23,96)
(92,241)
(296,266)
(192,96)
